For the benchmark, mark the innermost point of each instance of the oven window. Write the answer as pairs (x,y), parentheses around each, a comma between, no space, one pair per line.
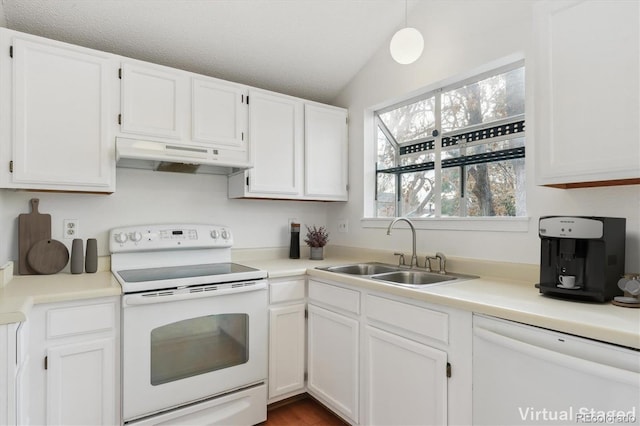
(197,346)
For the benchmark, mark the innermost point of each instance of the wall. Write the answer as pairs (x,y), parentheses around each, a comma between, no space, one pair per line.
(3,18)
(144,196)
(462,36)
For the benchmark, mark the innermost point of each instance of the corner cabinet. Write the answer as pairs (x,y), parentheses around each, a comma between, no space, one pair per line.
(299,150)
(587,96)
(74,353)
(55,115)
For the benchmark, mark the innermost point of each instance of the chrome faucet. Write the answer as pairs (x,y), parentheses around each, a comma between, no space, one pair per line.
(414,257)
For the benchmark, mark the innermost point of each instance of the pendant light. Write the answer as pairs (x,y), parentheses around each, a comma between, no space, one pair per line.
(407,44)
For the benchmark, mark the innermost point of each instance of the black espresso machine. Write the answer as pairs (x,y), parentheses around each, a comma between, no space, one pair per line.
(581,257)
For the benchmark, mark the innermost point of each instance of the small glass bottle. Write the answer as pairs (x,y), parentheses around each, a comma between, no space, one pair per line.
(294,248)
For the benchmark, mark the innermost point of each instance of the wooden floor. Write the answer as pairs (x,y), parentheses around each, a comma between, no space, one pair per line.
(304,412)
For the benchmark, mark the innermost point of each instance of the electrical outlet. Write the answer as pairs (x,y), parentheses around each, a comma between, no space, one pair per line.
(70,228)
(343,225)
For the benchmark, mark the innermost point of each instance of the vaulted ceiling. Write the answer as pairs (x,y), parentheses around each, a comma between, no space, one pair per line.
(306,48)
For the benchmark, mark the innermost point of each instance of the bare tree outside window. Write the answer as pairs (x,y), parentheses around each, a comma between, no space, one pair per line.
(406,136)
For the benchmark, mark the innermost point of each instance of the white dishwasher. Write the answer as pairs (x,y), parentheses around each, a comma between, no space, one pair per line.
(525,375)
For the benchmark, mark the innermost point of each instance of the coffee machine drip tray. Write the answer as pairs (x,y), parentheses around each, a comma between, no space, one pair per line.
(576,293)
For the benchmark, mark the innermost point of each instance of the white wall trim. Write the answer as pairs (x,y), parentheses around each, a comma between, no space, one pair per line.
(489,224)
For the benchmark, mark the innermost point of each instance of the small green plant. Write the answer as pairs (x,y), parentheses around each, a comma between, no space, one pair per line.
(316,237)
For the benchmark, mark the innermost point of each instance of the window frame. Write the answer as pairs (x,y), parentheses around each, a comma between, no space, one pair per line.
(471,223)
(514,126)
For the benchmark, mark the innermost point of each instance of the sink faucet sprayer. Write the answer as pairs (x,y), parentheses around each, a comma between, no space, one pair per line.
(414,258)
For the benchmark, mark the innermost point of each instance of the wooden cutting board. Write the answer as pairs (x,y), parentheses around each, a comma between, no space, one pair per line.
(32,227)
(48,257)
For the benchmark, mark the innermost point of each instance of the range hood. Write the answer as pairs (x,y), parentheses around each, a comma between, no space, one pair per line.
(178,157)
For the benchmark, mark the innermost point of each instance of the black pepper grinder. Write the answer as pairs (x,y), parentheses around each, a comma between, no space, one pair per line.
(294,249)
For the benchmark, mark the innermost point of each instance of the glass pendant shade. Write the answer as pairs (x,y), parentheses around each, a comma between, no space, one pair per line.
(406,46)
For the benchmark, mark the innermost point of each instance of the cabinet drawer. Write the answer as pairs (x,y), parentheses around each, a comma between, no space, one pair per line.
(337,297)
(286,291)
(75,320)
(414,319)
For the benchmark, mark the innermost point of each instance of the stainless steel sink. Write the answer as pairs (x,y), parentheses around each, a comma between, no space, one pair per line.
(396,275)
(413,278)
(362,269)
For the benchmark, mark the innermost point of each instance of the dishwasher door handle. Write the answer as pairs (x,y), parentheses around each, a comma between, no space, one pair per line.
(597,369)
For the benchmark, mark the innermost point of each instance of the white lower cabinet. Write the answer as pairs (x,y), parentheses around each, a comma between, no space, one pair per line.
(334,348)
(74,354)
(81,383)
(380,359)
(334,360)
(407,382)
(287,338)
(13,363)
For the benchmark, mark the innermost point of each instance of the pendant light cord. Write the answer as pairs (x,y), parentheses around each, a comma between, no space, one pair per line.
(406,14)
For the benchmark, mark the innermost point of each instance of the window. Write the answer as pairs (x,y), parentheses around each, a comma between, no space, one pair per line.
(454,152)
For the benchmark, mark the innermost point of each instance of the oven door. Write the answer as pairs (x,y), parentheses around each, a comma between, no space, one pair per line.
(181,346)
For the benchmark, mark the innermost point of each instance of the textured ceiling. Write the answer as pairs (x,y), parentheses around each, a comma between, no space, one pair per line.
(306,48)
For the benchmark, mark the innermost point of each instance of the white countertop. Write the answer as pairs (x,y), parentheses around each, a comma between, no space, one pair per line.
(23,291)
(515,300)
(509,299)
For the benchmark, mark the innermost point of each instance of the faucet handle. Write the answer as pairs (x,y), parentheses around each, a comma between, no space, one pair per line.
(443,262)
(427,262)
(400,259)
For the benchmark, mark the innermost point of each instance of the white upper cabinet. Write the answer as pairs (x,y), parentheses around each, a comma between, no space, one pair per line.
(325,153)
(299,150)
(275,126)
(276,132)
(154,101)
(219,113)
(55,115)
(180,108)
(587,93)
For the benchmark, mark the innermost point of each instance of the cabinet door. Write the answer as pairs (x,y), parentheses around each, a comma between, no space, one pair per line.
(153,101)
(587,91)
(333,360)
(81,383)
(219,113)
(406,381)
(325,152)
(286,349)
(275,128)
(61,135)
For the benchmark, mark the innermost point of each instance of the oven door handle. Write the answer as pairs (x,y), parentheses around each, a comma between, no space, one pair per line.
(188,293)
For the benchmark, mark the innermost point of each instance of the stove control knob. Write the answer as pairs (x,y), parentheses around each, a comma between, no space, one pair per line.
(225,234)
(135,236)
(214,234)
(120,237)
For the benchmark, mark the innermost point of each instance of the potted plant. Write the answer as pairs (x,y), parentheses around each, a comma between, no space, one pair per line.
(316,239)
